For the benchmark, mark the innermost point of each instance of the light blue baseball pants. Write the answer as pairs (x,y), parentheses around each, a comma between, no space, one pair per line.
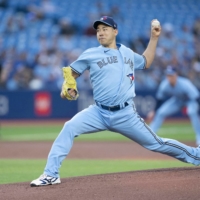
(172,106)
(126,122)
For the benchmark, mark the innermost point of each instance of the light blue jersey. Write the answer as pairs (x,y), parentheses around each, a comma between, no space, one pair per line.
(112,78)
(111,73)
(113,81)
(183,90)
(182,94)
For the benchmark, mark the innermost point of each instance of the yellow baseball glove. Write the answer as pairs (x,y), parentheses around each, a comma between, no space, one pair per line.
(69,88)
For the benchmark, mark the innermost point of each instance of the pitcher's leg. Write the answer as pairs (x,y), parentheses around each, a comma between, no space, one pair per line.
(89,120)
(137,130)
(173,148)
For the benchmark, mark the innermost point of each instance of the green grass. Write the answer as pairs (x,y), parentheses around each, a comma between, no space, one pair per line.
(179,131)
(28,132)
(12,171)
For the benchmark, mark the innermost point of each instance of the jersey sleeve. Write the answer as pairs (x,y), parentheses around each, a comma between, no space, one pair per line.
(192,91)
(81,64)
(139,61)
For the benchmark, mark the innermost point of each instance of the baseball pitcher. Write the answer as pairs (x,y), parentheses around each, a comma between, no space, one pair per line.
(112,72)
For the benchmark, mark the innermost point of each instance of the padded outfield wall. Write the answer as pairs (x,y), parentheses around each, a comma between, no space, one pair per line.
(49,105)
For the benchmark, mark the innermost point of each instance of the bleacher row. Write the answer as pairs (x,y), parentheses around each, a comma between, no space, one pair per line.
(24,23)
(134,18)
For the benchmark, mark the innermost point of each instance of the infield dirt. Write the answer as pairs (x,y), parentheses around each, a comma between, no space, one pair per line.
(162,184)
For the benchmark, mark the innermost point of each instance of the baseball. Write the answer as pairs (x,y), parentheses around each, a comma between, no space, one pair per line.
(155,23)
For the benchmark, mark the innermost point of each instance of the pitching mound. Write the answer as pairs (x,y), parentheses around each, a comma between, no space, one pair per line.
(162,184)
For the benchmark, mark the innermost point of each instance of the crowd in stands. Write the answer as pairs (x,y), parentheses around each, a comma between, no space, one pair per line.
(38,38)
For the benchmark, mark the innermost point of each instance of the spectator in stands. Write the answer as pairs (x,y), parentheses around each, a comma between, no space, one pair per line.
(7,75)
(3,3)
(168,41)
(115,12)
(48,7)
(90,31)
(66,27)
(43,44)
(20,79)
(138,45)
(47,71)
(11,27)
(21,22)
(196,28)
(34,13)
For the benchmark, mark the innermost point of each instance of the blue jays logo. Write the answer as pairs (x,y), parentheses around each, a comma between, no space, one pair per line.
(103,18)
(130,76)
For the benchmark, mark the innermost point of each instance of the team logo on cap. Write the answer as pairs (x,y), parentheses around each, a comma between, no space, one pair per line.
(103,18)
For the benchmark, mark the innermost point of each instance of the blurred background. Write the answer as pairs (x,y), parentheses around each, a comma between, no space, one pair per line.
(39,37)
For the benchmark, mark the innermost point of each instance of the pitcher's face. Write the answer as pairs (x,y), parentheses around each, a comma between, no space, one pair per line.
(106,35)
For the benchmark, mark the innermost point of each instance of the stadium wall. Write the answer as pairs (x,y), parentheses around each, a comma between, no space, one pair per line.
(49,105)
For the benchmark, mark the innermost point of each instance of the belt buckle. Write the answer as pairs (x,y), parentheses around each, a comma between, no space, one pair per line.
(110,108)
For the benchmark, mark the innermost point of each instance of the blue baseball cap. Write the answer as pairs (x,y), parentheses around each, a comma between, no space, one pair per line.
(170,70)
(105,20)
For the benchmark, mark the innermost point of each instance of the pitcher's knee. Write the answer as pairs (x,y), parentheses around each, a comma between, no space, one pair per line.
(70,129)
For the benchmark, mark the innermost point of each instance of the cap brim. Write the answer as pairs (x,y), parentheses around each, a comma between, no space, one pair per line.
(96,23)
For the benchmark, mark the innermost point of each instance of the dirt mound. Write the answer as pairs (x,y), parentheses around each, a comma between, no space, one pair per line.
(162,184)
(165,184)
